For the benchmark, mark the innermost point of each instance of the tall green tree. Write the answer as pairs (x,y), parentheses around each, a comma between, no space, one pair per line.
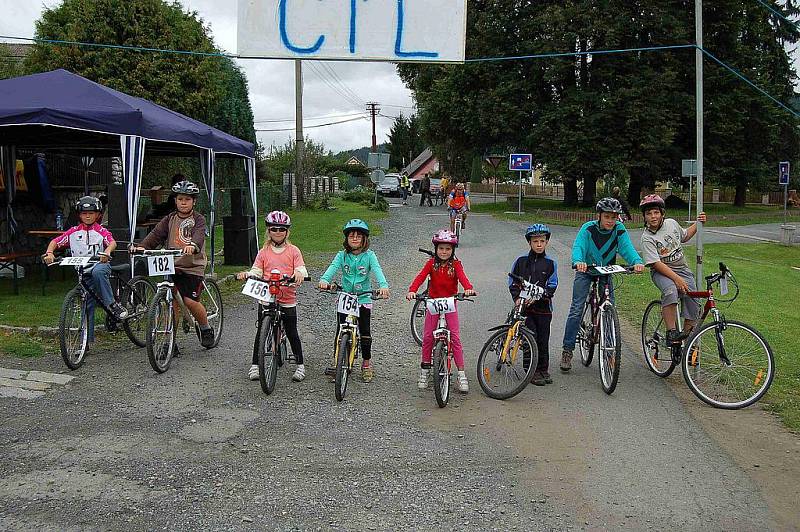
(405,140)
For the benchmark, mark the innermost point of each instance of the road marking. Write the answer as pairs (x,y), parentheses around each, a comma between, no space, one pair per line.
(741,235)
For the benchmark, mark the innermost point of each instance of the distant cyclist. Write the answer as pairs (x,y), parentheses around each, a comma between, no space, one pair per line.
(458,202)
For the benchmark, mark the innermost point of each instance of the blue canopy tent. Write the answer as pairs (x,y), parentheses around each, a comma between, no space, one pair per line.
(61,111)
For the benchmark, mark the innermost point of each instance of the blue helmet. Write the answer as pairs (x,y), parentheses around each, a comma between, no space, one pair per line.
(356,225)
(537,229)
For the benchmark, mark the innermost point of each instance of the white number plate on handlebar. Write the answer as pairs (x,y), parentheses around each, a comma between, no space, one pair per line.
(606,270)
(723,285)
(531,291)
(258,290)
(442,305)
(348,304)
(75,261)
(161,265)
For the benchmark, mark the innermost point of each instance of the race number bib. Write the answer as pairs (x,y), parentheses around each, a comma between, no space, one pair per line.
(348,304)
(161,265)
(531,291)
(607,270)
(723,285)
(258,290)
(443,305)
(74,261)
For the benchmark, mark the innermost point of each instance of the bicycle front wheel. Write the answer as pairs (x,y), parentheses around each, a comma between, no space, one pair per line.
(457,227)
(161,332)
(584,338)
(136,295)
(657,354)
(504,377)
(441,374)
(343,365)
(728,364)
(610,350)
(268,357)
(212,301)
(73,332)
(418,320)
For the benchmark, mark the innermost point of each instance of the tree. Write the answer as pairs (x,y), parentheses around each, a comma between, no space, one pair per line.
(208,88)
(8,64)
(405,140)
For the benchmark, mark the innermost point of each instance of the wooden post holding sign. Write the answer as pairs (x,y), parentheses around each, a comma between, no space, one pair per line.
(520,162)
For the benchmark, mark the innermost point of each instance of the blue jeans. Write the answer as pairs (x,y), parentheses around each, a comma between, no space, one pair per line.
(580,291)
(100,281)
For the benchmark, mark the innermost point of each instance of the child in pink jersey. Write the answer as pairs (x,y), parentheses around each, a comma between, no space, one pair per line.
(279,254)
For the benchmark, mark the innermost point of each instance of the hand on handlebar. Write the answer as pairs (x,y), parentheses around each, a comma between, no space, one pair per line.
(638,268)
(135,249)
(411,296)
(383,293)
(188,250)
(241,276)
(581,267)
(470,293)
(48,258)
(323,285)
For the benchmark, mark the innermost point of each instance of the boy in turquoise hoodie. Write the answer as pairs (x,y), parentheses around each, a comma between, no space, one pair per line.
(356,262)
(598,242)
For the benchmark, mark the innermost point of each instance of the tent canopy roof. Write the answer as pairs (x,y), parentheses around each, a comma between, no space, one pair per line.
(60,110)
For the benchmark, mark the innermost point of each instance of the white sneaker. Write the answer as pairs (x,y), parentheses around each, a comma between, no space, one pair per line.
(253,373)
(299,373)
(463,385)
(422,383)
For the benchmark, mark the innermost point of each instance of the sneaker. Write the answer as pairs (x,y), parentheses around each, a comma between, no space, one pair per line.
(252,374)
(566,360)
(538,379)
(463,385)
(547,378)
(119,312)
(299,373)
(422,382)
(673,337)
(367,373)
(330,372)
(207,338)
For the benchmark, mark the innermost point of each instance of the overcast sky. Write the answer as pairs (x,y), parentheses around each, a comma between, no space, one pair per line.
(327,98)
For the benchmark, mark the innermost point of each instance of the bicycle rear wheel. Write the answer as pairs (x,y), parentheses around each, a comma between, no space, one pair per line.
(657,354)
(161,332)
(610,349)
(418,320)
(211,299)
(343,365)
(73,332)
(728,364)
(504,379)
(457,227)
(584,338)
(268,357)
(136,295)
(441,374)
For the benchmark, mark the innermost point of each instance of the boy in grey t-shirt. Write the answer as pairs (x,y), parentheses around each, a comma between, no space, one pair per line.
(662,251)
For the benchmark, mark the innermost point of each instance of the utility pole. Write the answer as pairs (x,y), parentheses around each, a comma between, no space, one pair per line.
(373,110)
(299,144)
(698,59)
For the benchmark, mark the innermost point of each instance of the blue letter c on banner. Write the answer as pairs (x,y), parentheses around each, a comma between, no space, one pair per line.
(285,37)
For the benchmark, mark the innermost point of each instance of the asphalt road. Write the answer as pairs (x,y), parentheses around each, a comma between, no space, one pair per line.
(201,447)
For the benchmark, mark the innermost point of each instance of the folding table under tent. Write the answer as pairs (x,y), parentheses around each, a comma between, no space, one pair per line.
(61,111)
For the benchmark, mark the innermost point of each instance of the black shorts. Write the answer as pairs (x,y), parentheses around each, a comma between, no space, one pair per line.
(188,285)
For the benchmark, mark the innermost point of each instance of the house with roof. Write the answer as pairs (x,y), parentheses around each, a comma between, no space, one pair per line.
(424,163)
(355,161)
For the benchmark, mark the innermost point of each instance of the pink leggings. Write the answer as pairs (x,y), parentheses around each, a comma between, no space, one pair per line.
(431,321)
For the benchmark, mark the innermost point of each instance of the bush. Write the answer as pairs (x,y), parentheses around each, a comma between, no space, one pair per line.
(366,197)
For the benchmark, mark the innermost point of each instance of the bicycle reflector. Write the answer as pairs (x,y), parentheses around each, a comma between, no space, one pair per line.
(275,277)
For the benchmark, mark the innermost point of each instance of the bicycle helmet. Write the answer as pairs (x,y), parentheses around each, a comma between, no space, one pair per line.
(609,205)
(537,229)
(356,225)
(278,219)
(185,187)
(652,201)
(445,236)
(89,204)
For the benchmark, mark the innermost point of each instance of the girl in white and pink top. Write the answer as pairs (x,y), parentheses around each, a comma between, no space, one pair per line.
(279,254)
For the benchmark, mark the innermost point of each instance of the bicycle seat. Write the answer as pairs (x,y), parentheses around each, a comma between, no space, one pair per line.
(119,268)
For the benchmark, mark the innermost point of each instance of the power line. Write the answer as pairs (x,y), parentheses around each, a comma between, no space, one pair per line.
(777,13)
(344,85)
(589,52)
(325,79)
(311,127)
(292,119)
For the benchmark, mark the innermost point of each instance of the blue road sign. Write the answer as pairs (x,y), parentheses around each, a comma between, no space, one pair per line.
(783,173)
(520,162)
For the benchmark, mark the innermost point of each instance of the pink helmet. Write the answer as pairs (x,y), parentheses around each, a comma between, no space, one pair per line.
(652,201)
(444,236)
(278,219)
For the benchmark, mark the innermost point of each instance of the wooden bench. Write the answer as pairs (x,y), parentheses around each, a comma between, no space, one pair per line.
(8,262)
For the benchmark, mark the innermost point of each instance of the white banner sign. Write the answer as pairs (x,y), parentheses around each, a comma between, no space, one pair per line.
(381,30)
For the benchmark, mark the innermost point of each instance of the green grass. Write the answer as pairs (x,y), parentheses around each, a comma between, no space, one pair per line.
(20,345)
(770,290)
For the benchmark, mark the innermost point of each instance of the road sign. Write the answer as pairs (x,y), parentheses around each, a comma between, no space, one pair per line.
(689,168)
(520,162)
(377,176)
(495,160)
(783,173)
(378,160)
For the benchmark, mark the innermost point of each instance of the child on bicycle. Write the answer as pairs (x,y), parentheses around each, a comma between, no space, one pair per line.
(357,262)
(663,253)
(542,270)
(598,242)
(185,229)
(458,202)
(280,254)
(445,272)
(87,239)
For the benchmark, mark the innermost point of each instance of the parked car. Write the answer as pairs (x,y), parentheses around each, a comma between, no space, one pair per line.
(390,185)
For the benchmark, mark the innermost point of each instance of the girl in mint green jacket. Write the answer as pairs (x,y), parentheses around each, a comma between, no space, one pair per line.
(356,263)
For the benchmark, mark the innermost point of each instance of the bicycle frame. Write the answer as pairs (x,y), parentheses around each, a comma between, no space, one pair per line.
(442,333)
(351,325)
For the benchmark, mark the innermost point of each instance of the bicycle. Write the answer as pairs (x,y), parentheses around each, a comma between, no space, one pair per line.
(270,338)
(73,322)
(458,224)
(348,338)
(727,364)
(418,310)
(442,354)
(161,319)
(497,363)
(600,326)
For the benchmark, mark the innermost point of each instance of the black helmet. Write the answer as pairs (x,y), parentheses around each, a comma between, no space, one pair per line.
(89,204)
(609,205)
(185,187)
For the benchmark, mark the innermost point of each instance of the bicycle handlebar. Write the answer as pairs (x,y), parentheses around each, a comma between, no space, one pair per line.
(427,252)
(590,267)
(458,297)
(94,259)
(334,288)
(158,252)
